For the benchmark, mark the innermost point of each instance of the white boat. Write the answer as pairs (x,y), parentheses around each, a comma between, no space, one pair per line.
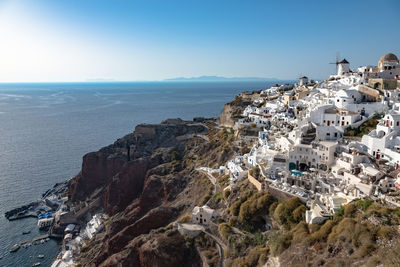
(36,264)
(15,248)
(40,256)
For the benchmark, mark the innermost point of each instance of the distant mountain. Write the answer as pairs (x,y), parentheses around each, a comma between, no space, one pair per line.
(218,79)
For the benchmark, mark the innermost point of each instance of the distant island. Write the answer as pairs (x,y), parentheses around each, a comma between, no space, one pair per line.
(218,79)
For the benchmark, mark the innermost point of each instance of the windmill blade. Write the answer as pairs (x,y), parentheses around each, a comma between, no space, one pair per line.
(337,60)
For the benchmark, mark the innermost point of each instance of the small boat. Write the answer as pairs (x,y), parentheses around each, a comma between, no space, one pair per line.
(47,239)
(26,232)
(40,256)
(36,264)
(42,241)
(15,248)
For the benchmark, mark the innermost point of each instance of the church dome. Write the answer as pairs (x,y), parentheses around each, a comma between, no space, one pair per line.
(389,58)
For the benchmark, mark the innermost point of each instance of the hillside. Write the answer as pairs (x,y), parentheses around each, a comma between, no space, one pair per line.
(148,182)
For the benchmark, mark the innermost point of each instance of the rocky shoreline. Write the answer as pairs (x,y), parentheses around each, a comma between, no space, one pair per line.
(34,208)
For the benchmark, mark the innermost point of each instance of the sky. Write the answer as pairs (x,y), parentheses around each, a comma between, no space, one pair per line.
(75,40)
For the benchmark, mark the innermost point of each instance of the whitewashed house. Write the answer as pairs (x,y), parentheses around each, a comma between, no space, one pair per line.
(203,215)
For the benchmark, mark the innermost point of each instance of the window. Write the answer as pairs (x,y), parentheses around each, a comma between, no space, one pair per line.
(335,134)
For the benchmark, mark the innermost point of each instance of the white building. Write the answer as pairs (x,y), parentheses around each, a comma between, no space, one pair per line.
(384,142)
(303,80)
(94,225)
(317,214)
(343,67)
(236,168)
(318,155)
(203,215)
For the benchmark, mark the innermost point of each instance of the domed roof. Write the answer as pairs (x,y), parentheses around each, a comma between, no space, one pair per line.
(389,58)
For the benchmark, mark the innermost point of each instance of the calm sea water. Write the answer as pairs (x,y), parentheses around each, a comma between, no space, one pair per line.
(45,129)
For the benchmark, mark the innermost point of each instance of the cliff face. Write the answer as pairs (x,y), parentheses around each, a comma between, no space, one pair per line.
(146,180)
(130,156)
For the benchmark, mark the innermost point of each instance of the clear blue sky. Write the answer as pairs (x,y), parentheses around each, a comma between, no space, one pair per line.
(49,40)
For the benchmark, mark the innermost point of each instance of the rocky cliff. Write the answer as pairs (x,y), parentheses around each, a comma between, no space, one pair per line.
(146,180)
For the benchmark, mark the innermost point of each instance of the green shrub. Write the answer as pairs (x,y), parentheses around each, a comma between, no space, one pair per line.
(323,232)
(217,197)
(386,232)
(253,205)
(366,249)
(235,207)
(289,212)
(344,229)
(279,243)
(300,232)
(233,221)
(364,204)
(272,208)
(299,213)
(224,230)
(227,193)
(349,210)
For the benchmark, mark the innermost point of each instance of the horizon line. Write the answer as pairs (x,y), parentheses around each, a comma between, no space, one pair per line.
(177,79)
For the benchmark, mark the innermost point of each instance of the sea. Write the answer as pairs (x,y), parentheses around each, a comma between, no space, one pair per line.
(46,128)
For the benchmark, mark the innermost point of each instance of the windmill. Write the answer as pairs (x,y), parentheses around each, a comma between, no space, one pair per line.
(337,61)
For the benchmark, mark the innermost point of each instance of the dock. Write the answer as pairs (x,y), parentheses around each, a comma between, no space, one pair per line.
(24,211)
(40,237)
(21,216)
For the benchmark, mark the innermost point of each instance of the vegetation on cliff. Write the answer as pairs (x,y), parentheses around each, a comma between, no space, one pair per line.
(148,180)
(360,233)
